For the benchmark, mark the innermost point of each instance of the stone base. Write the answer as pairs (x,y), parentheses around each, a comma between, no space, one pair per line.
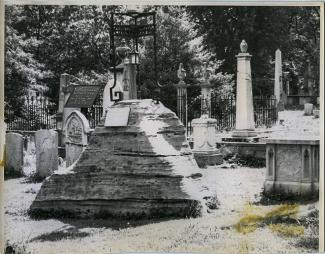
(244,133)
(292,190)
(208,158)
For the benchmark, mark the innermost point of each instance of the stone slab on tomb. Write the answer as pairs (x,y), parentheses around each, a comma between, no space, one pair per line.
(117,117)
(143,169)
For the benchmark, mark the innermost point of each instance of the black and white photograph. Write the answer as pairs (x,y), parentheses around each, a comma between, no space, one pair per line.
(133,128)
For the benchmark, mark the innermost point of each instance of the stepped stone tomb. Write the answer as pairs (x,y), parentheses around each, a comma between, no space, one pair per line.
(137,164)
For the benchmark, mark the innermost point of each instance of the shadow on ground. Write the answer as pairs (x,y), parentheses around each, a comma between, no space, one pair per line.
(74,228)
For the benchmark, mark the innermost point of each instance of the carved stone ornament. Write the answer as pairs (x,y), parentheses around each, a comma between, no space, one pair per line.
(243,46)
(75,130)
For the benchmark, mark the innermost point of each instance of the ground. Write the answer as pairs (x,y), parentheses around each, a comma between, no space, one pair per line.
(242,222)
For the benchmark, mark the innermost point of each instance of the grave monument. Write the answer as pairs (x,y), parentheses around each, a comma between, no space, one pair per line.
(204,129)
(292,168)
(137,164)
(245,124)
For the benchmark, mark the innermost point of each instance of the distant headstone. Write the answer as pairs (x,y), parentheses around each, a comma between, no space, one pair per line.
(76,132)
(14,153)
(316,113)
(308,109)
(46,142)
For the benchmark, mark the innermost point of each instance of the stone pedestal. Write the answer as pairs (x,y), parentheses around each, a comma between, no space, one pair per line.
(292,168)
(14,154)
(308,109)
(204,135)
(77,129)
(46,142)
(244,100)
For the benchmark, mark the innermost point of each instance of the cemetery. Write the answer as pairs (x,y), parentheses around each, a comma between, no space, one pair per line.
(134,160)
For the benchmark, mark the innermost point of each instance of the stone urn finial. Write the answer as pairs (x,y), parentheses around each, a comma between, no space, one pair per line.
(123,50)
(181,73)
(243,46)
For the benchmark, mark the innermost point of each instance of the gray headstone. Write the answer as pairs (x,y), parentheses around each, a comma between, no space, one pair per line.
(308,109)
(76,131)
(46,142)
(14,153)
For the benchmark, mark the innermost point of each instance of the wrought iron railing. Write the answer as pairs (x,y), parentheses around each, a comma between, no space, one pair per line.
(34,113)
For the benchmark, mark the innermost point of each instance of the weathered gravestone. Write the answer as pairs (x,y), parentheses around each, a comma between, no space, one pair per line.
(76,132)
(46,142)
(141,168)
(308,109)
(14,153)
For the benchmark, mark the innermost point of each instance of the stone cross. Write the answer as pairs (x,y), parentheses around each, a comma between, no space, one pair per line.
(244,100)
(206,92)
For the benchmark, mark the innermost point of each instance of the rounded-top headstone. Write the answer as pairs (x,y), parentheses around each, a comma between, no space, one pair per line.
(76,132)
(308,109)
(14,153)
(46,142)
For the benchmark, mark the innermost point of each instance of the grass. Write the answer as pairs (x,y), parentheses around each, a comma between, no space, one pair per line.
(280,220)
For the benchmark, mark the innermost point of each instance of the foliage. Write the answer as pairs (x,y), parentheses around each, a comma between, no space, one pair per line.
(295,30)
(22,70)
(44,41)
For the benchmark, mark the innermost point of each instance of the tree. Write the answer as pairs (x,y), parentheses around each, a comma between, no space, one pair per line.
(22,70)
(265,29)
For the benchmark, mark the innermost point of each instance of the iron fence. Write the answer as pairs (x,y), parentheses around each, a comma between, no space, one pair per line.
(94,115)
(35,112)
(223,109)
(265,111)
